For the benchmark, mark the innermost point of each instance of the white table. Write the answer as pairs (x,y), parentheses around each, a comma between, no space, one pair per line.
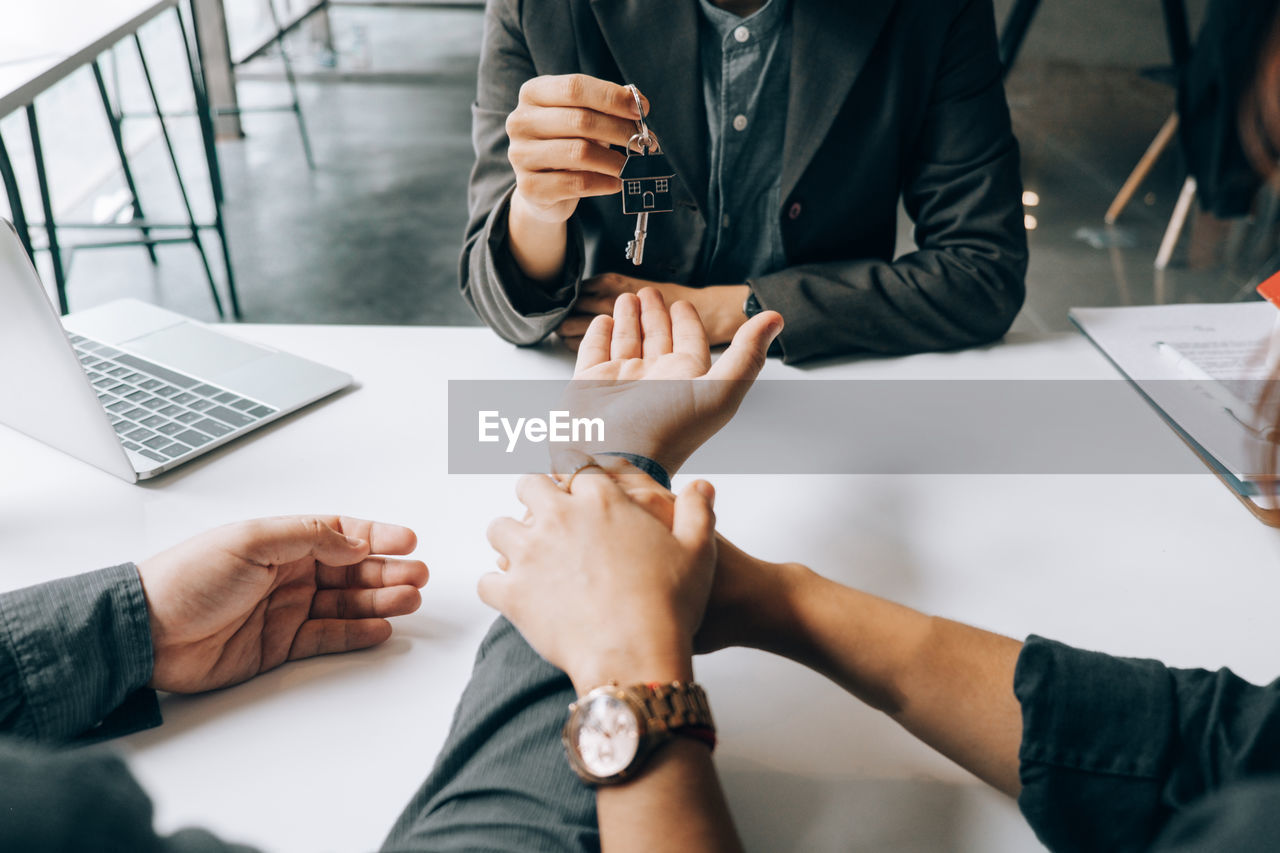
(321,755)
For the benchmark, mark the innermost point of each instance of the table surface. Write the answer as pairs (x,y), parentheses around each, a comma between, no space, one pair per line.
(322,754)
(44,42)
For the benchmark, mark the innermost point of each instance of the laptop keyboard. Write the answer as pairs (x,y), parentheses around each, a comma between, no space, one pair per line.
(158,412)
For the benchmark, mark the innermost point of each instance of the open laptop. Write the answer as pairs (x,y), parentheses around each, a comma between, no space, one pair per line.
(131,388)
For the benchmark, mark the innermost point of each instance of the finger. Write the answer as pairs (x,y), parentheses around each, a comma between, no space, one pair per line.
(372,573)
(595,343)
(565,459)
(746,354)
(626,327)
(549,188)
(581,90)
(595,484)
(592,303)
(655,321)
(657,504)
(273,541)
(573,343)
(538,492)
(383,538)
(493,590)
(333,636)
(546,123)
(689,336)
(365,603)
(694,522)
(504,534)
(567,155)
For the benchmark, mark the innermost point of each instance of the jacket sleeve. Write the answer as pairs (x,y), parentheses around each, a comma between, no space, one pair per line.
(519,309)
(75,658)
(73,801)
(962,189)
(1115,749)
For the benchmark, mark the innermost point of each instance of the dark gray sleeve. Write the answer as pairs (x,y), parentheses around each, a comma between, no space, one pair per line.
(1114,749)
(71,802)
(965,283)
(502,782)
(1241,818)
(75,658)
(519,309)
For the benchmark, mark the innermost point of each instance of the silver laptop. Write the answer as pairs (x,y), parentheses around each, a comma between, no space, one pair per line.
(131,388)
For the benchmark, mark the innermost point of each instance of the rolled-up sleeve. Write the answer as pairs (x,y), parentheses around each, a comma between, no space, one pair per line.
(1113,749)
(75,658)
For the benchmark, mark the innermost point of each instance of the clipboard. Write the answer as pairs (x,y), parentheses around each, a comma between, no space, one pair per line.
(1129,338)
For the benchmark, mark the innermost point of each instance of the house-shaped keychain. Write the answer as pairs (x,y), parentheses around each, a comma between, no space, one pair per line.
(646,184)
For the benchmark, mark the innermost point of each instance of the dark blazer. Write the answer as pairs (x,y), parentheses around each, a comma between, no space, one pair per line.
(888,99)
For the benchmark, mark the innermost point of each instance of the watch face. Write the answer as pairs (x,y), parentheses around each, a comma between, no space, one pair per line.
(608,737)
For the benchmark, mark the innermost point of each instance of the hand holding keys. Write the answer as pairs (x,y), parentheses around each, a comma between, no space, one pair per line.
(646,181)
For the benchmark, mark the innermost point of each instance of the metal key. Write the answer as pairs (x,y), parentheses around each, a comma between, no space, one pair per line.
(646,182)
(635,249)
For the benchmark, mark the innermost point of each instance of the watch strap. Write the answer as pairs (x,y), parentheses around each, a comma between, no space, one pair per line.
(675,708)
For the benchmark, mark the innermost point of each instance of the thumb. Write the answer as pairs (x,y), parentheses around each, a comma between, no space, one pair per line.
(271,541)
(694,521)
(746,354)
(492,589)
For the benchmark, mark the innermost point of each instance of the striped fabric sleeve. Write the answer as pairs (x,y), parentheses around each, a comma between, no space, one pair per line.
(75,658)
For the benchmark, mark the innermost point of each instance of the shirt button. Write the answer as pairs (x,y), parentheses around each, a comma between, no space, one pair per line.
(725,220)
(742,34)
(795,210)
(739,122)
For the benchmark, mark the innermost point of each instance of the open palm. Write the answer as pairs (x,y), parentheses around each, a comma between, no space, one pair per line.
(668,419)
(240,600)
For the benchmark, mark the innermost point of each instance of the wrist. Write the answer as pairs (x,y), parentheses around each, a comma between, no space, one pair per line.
(625,667)
(766,607)
(721,310)
(538,240)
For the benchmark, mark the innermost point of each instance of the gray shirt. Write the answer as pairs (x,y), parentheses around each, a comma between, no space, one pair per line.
(746,69)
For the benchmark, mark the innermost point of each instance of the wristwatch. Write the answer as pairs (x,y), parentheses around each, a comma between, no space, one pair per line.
(613,730)
(752,306)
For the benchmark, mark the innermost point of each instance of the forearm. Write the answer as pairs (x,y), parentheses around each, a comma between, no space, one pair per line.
(537,246)
(520,309)
(948,684)
(935,299)
(676,804)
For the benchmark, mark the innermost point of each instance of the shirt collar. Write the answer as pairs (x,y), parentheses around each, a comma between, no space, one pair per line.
(762,23)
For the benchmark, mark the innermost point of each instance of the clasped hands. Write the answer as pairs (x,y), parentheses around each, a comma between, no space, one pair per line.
(616,579)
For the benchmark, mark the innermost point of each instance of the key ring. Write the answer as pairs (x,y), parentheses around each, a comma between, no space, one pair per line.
(638,143)
(648,144)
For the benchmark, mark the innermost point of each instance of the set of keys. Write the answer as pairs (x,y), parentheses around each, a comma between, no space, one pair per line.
(646,181)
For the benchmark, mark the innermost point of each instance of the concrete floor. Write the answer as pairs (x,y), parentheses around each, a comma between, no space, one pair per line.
(372,236)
